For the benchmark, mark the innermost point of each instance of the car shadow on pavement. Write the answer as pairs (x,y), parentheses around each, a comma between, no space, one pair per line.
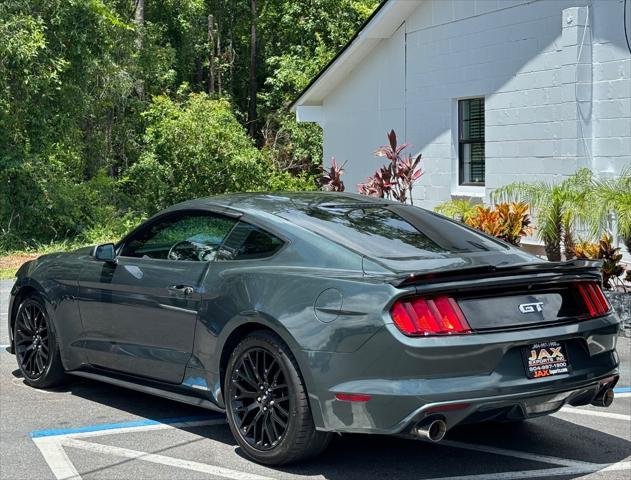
(358,456)
(134,403)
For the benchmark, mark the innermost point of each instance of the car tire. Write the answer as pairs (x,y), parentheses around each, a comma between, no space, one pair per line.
(264,390)
(36,348)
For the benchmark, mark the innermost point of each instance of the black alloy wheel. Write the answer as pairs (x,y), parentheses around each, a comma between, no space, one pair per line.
(260,398)
(267,404)
(35,344)
(32,347)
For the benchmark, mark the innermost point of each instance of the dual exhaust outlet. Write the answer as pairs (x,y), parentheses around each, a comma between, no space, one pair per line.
(434,430)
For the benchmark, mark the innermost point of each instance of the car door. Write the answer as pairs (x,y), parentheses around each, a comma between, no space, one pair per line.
(139,313)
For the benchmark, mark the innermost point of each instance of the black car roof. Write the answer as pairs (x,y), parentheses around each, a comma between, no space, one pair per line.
(276,202)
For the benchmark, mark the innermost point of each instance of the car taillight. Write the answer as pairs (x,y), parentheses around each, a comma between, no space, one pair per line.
(429,316)
(594,299)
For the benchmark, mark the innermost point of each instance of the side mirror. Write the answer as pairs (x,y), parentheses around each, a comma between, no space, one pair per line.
(104,252)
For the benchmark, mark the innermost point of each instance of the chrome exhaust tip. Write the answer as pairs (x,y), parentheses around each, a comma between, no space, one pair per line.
(604,398)
(434,430)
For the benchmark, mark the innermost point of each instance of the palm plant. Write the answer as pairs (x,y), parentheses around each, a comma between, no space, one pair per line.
(458,209)
(613,195)
(558,207)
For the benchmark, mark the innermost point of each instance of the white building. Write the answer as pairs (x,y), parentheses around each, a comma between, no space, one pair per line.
(489,91)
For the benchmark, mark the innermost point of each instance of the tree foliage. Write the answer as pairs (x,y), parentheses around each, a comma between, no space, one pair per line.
(195,148)
(102,113)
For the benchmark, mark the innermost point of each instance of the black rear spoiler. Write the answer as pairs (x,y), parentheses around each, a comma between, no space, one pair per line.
(576,267)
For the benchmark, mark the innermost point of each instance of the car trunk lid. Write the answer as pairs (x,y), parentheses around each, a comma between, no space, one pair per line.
(495,298)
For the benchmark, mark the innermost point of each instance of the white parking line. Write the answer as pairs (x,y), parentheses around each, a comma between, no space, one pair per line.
(592,413)
(544,472)
(52,447)
(516,453)
(162,460)
(53,452)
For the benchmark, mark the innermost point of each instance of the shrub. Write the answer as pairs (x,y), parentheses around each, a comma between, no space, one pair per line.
(605,251)
(110,226)
(584,249)
(395,179)
(43,200)
(508,221)
(285,181)
(457,209)
(331,179)
(194,148)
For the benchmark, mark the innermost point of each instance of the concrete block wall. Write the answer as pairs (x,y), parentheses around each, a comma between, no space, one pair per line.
(362,109)
(554,73)
(522,59)
(611,79)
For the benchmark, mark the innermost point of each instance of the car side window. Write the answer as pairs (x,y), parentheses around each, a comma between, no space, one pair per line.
(247,242)
(190,236)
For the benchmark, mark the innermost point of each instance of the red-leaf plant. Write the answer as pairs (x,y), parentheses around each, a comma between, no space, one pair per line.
(395,179)
(331,180)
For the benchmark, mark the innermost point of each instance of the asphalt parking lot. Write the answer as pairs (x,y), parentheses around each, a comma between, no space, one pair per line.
(90,430)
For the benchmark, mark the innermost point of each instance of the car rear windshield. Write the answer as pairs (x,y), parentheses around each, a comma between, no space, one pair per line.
(393,231)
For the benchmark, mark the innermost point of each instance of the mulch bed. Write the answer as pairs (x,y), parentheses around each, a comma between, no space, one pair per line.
(15,261)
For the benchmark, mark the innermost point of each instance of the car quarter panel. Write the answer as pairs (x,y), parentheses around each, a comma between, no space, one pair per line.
(280,293)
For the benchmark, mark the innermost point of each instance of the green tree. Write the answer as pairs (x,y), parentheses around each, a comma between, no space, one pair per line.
(65,84)
(297,40)
(194,148)
(82,84)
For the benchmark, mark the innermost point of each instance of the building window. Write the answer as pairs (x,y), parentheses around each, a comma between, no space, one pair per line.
(471,141)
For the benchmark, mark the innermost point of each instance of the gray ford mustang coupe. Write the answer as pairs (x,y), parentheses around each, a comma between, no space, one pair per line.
(304,314)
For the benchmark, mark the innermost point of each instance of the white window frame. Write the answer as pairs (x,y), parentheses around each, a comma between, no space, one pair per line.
(457,190)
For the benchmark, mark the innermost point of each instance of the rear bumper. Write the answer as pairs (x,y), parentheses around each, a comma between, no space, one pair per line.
(407,378)
(506,407)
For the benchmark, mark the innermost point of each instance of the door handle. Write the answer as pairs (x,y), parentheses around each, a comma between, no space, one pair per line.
(181,289)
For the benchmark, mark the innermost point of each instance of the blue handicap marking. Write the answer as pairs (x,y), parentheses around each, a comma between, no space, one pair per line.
(112,426)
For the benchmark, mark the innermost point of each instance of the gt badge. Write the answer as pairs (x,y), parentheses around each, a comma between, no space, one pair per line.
(531,307)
